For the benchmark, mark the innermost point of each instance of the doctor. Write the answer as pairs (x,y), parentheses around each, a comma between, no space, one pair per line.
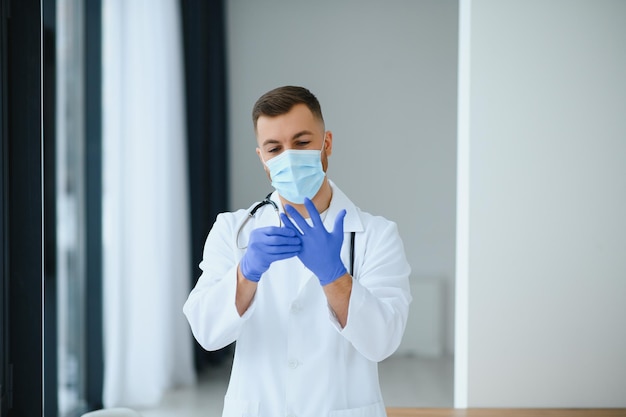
(316,296)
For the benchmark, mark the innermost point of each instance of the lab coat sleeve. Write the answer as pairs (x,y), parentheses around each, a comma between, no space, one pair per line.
(210,308)
(380,298)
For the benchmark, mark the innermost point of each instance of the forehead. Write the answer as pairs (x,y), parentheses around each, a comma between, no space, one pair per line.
(295,120)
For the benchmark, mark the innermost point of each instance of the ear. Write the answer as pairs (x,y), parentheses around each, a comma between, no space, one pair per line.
(258,152)
(328,142)
(267,172)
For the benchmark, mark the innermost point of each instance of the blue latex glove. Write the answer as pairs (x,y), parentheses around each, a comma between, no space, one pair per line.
(321,250)
(266,245)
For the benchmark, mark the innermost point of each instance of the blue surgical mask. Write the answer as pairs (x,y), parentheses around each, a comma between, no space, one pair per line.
(297,174)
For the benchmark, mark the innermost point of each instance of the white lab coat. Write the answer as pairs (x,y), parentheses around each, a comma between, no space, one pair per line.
(292,358)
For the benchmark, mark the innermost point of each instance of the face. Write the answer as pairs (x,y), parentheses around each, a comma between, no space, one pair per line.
(298,129)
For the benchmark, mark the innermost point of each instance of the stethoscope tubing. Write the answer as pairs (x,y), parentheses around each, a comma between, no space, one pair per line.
(267,200)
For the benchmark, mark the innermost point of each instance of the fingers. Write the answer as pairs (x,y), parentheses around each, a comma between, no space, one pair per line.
(313,213)
(276,231)
(338,228)
(281,249)
(275,240)
(315,218)
(289,224)
(302,224)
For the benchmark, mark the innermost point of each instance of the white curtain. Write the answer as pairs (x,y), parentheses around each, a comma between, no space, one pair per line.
(148,346)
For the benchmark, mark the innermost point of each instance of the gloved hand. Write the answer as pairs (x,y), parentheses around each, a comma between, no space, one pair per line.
(266,245)
(321,250)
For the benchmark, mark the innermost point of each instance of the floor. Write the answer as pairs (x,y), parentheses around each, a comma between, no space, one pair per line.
(504,412)
(405,382)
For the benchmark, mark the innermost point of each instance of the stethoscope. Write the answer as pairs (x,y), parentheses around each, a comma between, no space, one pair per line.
(267,200)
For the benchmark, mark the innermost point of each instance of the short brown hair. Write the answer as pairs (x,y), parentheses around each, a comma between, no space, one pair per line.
(282,99)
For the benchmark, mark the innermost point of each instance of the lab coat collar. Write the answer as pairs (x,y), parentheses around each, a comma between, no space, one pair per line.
(338,202)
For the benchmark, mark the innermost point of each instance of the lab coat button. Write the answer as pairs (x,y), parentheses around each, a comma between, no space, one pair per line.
(293,363)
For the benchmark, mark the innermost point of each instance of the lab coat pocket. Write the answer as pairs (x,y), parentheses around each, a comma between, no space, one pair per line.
(234,407)
(374,410)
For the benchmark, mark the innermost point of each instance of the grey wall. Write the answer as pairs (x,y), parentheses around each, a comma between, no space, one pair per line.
(547,271)
(385,73)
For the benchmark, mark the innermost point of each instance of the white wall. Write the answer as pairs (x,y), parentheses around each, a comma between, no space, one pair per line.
(547,264)
(385,74)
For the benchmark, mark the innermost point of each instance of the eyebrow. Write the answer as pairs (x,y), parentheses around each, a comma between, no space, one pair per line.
(294,137)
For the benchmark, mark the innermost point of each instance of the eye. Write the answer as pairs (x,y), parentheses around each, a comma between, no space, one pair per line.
(273,149)
(303,143)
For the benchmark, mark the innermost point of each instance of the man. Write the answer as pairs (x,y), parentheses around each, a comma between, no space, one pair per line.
(314,300)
